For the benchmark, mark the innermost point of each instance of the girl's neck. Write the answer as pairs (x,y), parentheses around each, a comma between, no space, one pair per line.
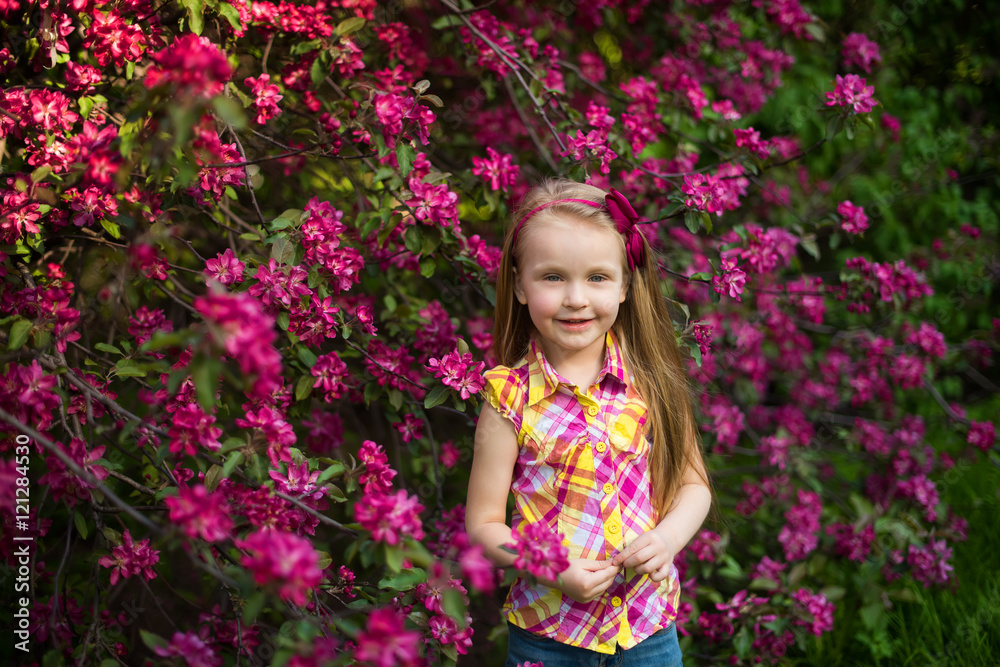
(580,367)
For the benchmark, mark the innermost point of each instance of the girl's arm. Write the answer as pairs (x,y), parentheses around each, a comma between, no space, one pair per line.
(493,462)
(653,552)
(486,509)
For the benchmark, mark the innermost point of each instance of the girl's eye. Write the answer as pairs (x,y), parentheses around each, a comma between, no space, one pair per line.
(598,279)
(551,278)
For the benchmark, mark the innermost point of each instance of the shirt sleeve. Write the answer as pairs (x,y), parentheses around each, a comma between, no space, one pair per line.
(506,391)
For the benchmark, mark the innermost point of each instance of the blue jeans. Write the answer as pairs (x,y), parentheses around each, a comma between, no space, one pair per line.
(659,650)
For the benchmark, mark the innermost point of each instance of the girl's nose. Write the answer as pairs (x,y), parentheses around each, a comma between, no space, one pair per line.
(576,295)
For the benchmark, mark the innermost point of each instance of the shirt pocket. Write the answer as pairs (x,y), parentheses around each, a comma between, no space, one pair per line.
(627,436)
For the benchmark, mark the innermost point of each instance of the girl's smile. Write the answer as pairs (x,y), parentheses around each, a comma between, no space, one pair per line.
(571,276)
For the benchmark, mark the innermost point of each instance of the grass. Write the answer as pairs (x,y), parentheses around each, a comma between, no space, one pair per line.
(956,627)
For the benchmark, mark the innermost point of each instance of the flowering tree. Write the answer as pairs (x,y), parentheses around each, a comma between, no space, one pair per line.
(247,254)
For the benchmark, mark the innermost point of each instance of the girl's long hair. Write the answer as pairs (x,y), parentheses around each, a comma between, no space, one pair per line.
(644,329)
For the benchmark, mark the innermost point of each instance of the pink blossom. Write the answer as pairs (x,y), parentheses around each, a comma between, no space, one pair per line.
(433,203)
(193,428)
(330,373)
(816,606)
(449,454)
(192,65)
(497,169)
(283,559)
(859,51)
(411,428)
(477,569)
(190,648)
(982,435)
(929,563)
(725,109)
(299,482)
(147,321)
(750,139)
(385,641)
(929,340)
(225,268)
(539,550)
(892,124)
(131,559)
(200,513)
(705,546)
(377,477)
(67,485)
(853,218)
(852,92)
(266,97)
(799,535)
(390,518)
(852,543)
(460,372)
(731,281)
(593,144)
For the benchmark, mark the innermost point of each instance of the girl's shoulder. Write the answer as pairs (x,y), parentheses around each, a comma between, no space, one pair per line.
(506,389)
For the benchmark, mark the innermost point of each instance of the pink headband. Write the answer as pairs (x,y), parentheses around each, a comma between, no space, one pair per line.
(620,210)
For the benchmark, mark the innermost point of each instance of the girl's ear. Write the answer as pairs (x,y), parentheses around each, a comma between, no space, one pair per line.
(519,289)
(626,281)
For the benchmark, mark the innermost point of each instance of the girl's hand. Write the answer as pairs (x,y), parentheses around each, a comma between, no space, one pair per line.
(586,580)
(650,553)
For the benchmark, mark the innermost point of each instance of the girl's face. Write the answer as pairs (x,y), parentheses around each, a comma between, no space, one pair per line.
(571,276)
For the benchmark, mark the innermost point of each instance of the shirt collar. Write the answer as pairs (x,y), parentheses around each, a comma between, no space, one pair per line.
(543,380)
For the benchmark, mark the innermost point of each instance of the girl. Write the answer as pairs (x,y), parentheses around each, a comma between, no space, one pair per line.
(589,423)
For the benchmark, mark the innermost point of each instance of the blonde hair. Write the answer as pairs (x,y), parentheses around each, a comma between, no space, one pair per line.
(644,329)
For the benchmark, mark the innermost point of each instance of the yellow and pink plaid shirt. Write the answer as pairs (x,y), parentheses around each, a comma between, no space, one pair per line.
(582,470)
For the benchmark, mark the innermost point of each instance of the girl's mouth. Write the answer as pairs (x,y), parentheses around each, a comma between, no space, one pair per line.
(574,324)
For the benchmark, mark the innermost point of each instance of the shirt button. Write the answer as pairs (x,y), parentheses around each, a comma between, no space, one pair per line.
(601,447)
(613,528)
(616,601)
(592,410)
(609,487)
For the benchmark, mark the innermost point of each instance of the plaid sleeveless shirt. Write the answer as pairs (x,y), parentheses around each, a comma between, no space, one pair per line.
(582,469)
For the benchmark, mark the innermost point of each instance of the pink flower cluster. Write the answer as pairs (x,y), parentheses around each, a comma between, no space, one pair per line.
(929,563)
(192,65)
(191,429)
(131,559)
(853,218)
(750,139)
(385,641)
(200,513)
(929,340)
(851,91)
(247,334)
(731,281)
(539,550)
(331,373)
(860,52)
(192,649)
(390,517)
(716,193)
(66,485)
(593,144)
(982,435)
(497,169)
(266,97)
(460,372)
(285,560)
(799,536)
(225,268)
(816,606)
(884,280)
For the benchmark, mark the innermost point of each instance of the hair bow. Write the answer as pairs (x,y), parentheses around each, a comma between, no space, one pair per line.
(625,218)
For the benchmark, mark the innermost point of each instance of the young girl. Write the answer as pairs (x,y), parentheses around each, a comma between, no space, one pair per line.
(588,422)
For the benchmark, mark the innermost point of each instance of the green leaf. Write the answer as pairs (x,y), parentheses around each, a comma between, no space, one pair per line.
(104,347)
(228,110)
(372,391)
(204,374)
(808,244)
(446,21)
(394,558)
(406,155)
(232,461)
(706,220)
(41,173)
(253,606)
(816,31)
(701,275)
(304,387)
(18,334)
(453,605)
(348,26)
(333,470)
(151,640)
(81,523)
(283,250)
(231,14)
(112,535)
(306,356)
(692,220)
(196,11)
(214,476)
(742,642)
(427,266)
(111,228)
(405,580)
(395,398)
(414,240)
